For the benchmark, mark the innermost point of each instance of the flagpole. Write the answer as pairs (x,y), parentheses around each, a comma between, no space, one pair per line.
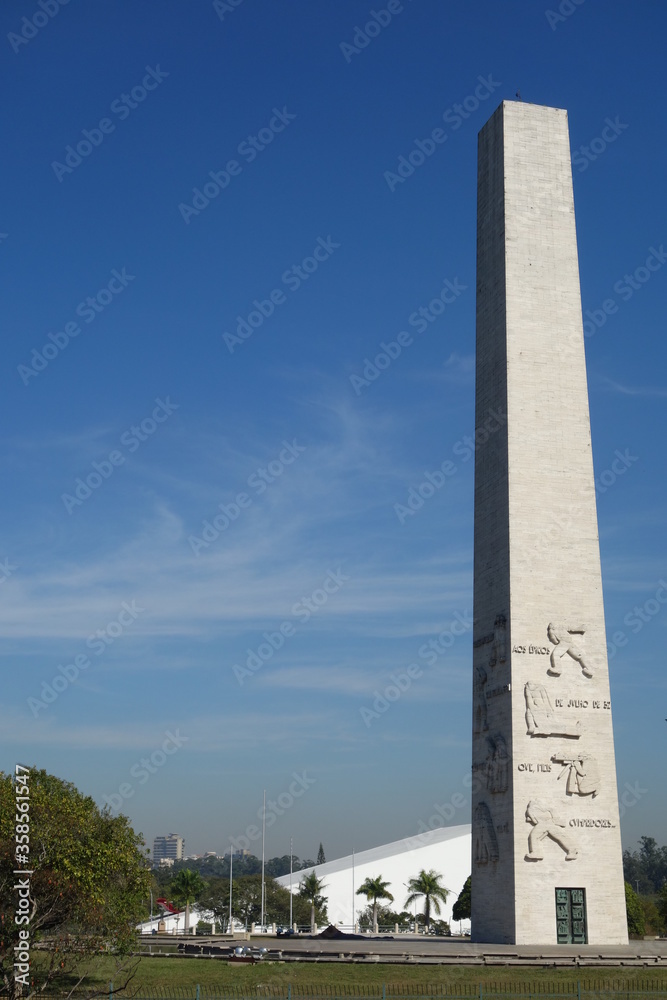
(231,869)
(263,834)
(353,924)
(290,884)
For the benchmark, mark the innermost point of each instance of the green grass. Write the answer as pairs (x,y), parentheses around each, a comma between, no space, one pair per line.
(186,973)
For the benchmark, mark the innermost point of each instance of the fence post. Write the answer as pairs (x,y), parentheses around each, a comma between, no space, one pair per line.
(197,995)
(480,991)
(578,989)
(110,991)
(289,991)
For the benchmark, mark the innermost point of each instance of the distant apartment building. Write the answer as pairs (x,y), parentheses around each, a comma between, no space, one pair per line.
(166,850)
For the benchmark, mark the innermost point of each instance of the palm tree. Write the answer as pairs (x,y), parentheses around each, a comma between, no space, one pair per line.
(185,888)
(374,889)
(311,889)
(427,884)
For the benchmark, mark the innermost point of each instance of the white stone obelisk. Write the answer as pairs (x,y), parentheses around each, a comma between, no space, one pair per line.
(546,864)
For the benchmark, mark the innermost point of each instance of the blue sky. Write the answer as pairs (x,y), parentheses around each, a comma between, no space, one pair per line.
(181,357)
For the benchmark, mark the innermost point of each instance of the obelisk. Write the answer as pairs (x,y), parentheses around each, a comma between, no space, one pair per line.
(546,865)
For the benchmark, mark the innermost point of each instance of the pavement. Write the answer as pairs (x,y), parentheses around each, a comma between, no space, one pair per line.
(419,950)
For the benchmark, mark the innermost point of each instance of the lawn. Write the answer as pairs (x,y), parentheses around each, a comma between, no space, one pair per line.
(186,973)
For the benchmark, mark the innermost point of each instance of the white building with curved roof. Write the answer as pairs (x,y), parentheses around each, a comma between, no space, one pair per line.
(446,850)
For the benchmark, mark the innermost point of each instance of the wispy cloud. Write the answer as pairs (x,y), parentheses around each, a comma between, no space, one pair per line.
(323,677)
(331,508)
(458,368)
(205,733)
(628,390)
(463,363)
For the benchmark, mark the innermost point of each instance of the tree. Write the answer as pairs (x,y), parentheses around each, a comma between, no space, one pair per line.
(441,928)
(310,890)
(647,867)
(247,901)
(635,913)
(219,867)
(427,884)
(653,923)
(374,889)
(384,916)
(87,876)
(462,906)
(320,855)
(662,904)
(653,860)
(280,866)
(186,887)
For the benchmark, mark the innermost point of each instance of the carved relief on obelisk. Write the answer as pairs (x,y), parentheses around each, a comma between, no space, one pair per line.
(547,824)
(566,645)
